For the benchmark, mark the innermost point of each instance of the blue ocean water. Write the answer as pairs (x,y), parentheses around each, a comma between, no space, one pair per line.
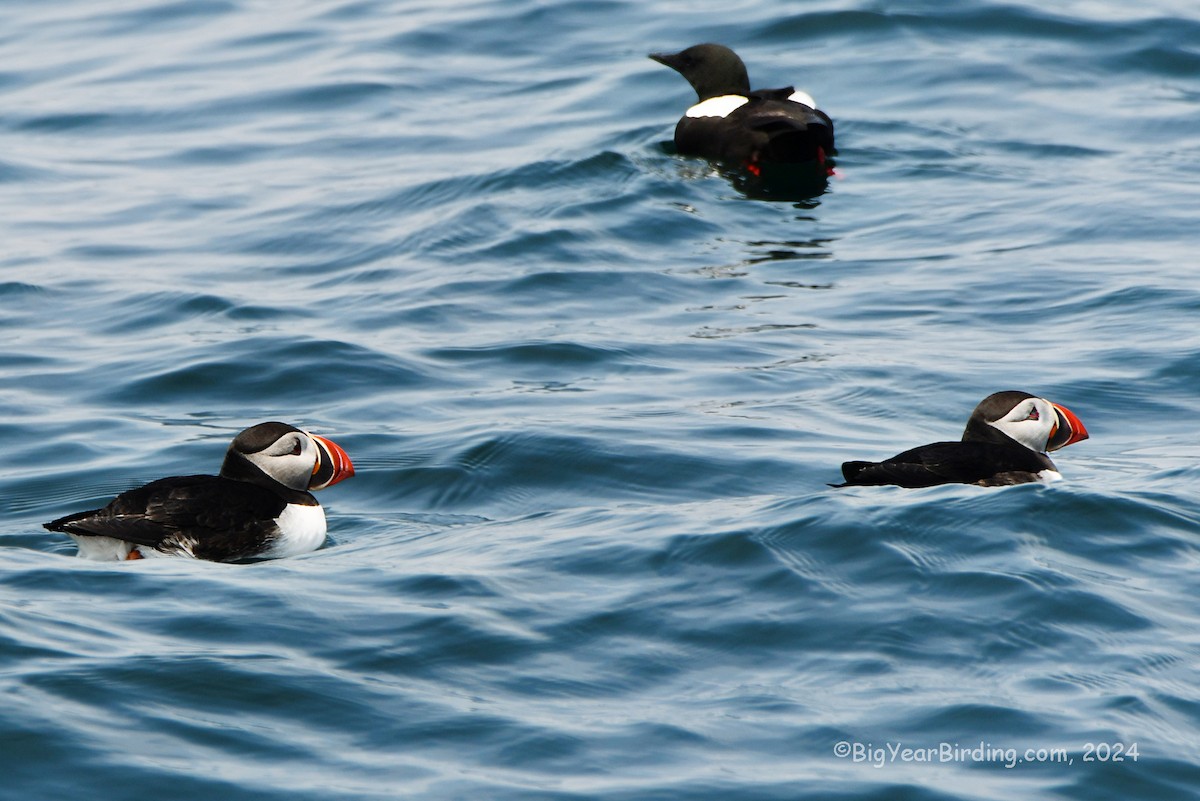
(595,394)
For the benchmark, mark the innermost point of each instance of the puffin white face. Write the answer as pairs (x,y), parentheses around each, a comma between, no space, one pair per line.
(296,459)
(290,460)
(1031,423)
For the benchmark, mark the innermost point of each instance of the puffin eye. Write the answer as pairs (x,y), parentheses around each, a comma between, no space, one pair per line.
(1033,414)
(296,448)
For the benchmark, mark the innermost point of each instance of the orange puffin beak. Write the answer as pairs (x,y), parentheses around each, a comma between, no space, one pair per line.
(333,464)
(1067,430)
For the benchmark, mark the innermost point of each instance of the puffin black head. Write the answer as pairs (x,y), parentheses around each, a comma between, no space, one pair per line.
(286,455)
(1034,422)
(995,406)
(713,70)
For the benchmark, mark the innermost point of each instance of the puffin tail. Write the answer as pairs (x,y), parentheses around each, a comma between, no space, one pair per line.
(850,471)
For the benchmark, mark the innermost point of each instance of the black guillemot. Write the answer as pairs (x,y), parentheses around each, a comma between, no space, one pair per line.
(740,127)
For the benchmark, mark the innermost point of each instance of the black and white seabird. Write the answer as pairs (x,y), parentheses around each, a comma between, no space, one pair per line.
(1005,442)
(259,507)
(740,127)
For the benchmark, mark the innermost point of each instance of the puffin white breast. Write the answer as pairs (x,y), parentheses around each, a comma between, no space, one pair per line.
(301,529)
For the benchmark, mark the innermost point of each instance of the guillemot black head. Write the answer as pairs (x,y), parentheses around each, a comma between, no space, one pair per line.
(284,454)
(1034,422)
(713,70)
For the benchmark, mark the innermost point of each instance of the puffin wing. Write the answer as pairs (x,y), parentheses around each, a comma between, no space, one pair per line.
(96,523)
(194,514)
(946,463)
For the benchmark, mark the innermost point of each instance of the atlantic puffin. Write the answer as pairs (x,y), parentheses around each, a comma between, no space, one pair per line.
(259,507)
(1005,442)
(740,127)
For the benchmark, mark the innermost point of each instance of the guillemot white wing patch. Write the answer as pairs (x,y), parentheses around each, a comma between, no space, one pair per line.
(802,97)
(301,529)
(721,106)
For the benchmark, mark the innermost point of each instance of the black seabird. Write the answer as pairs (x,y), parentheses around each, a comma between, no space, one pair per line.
(740,127)
(1005,442)
(259,507)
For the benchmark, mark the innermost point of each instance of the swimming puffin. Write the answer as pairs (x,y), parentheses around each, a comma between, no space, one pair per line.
(259,507)
(1005,442)
(740,127)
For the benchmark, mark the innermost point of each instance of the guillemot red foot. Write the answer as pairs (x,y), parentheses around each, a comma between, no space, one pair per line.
(260,506)
(1005,442)
(740,127)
